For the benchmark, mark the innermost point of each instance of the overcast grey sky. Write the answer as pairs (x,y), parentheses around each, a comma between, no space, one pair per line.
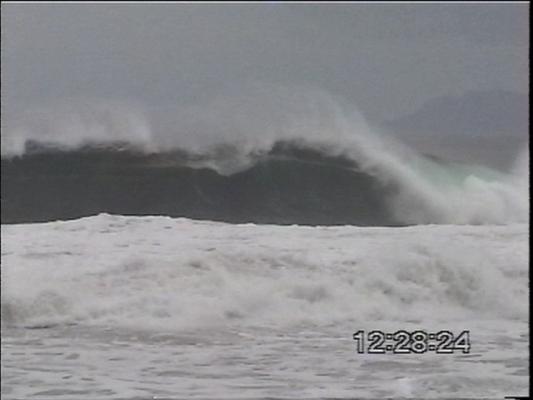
(387,59)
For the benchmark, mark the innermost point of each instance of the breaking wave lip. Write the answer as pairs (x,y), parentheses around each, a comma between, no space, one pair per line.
(224,158)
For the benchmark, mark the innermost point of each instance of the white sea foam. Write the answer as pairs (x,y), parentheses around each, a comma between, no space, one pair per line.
(159,273)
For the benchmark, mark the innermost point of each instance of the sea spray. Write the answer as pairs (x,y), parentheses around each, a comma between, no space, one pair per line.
(231,134)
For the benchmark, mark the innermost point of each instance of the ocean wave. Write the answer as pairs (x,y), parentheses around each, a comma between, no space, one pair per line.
(267,155)
(298,182)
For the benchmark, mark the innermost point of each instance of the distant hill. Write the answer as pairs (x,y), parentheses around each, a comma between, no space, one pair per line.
(488,127)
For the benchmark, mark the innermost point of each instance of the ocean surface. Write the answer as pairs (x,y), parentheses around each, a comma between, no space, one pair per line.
(144,307)
(238,259)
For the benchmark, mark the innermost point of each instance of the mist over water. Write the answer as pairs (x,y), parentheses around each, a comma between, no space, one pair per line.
(230,133)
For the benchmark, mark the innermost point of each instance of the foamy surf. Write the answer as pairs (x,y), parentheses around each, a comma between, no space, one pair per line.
(172,274)
(167,298)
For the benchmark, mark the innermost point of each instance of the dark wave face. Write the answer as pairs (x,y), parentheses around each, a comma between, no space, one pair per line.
(289,184)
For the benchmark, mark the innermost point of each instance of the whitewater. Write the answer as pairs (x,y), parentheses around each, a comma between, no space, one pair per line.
(156,307)
(232,249)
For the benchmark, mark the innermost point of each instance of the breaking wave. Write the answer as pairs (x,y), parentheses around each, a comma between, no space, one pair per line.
(267,156)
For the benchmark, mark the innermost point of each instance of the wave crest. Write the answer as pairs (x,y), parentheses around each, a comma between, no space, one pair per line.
(235,135)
